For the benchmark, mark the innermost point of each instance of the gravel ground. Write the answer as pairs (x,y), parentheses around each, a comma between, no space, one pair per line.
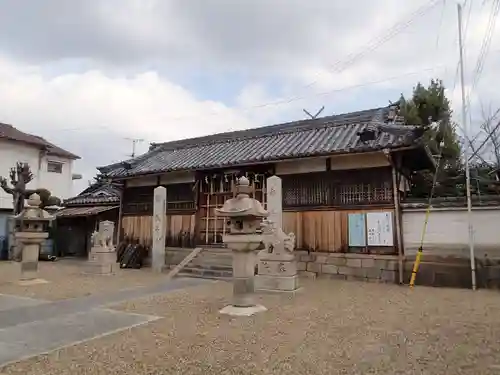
(67,280)
(331,327)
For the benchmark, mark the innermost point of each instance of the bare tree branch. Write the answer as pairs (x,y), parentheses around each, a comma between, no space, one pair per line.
(492,137)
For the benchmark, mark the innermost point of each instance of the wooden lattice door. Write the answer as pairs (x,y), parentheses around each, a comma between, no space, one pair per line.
(214,191)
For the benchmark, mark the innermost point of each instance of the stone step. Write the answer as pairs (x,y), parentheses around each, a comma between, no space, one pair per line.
(206,267)
(206,251)
(210,263)
(185,262)
(201,263)
(202,255)
(208,256)
(204,277)
(206,273)
(213,250)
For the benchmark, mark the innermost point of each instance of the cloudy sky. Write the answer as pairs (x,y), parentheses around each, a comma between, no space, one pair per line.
(92,75)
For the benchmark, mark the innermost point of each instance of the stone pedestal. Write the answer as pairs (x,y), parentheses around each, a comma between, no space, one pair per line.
(243,301)
(277,275)
(101,262)
(159,229)
(277,267)
(30,250)
(243,278)
(102,256)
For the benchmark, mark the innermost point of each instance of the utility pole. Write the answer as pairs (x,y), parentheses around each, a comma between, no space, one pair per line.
(134,143)
(466,151)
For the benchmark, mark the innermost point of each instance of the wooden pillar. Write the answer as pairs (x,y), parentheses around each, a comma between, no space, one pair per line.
(119,230)
(397,211)
(397,215)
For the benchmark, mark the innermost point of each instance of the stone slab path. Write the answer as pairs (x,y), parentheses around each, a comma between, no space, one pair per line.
(10,302)
(29,327)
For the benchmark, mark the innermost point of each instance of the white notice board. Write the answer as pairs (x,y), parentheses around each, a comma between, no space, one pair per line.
(379,229)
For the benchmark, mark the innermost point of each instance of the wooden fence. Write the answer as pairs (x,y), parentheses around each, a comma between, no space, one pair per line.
(180,230)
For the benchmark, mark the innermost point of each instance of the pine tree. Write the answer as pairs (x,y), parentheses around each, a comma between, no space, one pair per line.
(429,106)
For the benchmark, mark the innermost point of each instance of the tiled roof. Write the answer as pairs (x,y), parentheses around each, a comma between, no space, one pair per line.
(82,211)
(323,136)
(97,194)
(11,133)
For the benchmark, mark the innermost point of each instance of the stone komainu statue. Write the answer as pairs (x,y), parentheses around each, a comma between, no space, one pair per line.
(274,237)
(98,240)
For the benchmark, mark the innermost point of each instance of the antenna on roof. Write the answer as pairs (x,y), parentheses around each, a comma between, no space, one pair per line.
(134,142)
(316,115)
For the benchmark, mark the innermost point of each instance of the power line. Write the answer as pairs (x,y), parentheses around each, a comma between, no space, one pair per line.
(285,101)
(485,46)
(339,65)
(378,41)
(483,52)
(440,25)
(466,28)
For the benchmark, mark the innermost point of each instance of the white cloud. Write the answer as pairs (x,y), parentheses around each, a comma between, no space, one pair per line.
(91,114)
(279,52)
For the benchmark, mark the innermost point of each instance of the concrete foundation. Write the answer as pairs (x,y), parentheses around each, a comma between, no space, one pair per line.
(341,266)
(439,271)
(242,311)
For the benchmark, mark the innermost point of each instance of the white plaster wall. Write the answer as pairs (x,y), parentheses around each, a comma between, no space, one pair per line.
(447,232)
(337,162)
(301,166)
(177,178)
(142,181)
(357,161)
(60,184)
(168,178)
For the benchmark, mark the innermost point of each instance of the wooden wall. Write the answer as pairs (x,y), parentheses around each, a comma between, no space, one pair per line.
(323,231)
(180,230)
(318,195)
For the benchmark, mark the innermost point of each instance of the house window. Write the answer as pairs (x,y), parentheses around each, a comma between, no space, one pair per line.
(54,167)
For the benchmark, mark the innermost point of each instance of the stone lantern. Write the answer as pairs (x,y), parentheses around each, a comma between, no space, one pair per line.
(32,232)
(244,238)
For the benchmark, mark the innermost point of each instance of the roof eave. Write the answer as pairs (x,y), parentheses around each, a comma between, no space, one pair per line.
(69,155)
(266,161)
(44,147)
(92,204)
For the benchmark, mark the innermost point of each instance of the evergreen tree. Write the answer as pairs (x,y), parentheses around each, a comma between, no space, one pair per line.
(429,107)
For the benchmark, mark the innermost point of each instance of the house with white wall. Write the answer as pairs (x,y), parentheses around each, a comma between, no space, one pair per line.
(52,166)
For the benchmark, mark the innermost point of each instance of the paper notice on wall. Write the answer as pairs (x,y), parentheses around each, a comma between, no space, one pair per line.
(357,230)
(380,229)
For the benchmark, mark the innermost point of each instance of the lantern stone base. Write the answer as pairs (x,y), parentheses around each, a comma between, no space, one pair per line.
(29,261)
(30,249)
(277,283)
(242,311)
